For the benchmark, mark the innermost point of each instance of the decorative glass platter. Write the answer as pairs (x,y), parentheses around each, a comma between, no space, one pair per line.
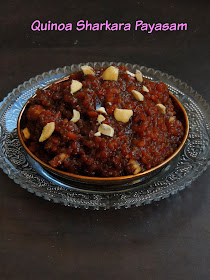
(193,160)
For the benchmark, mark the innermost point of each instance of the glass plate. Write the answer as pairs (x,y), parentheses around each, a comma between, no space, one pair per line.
(29,175)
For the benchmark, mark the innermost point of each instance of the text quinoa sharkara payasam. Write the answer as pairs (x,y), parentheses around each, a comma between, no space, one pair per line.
(85,25)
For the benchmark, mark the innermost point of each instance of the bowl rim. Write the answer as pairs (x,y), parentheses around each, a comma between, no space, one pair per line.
(83,178)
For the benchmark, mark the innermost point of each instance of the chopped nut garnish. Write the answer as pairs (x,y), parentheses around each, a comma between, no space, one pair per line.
(58,160)
(110,74)
(135,165)
(26,133)
(139,76)
(172,119)
(106,130)
(130,73)
(123,115)
(87,70)
(47,131)
(145,89)
(62,157)
(76,116)
(102,110)
(98,133)
(138,95)
(100,118)
(75,86)
(162,108)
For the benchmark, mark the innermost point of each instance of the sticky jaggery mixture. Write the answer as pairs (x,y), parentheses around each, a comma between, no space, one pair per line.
(103,123)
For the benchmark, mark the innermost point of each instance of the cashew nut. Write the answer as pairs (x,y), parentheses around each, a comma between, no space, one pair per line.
(106,130)
(139,76)
(76,116)
(138,95)
(110,74)
(123,115)
(98,133)
(26,133)
(87,70)
(130,73)
(100,118)
(47,131)
(135,165)
(172,119)
(102,110)
(162,108)
(75,86)
(145,89)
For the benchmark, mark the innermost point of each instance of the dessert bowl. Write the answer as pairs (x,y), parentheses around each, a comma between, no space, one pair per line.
(108,181)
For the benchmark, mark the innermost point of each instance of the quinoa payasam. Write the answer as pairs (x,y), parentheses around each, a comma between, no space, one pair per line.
(105,122)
